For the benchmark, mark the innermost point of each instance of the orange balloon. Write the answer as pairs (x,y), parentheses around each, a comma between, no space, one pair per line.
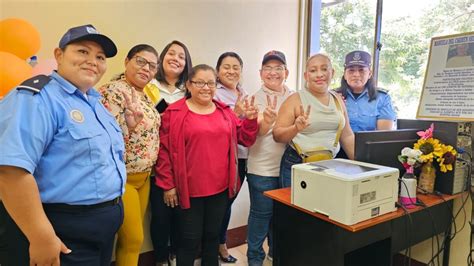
(19,37)
(13,71)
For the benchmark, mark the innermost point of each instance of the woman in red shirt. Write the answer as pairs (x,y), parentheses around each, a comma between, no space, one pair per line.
(197,163)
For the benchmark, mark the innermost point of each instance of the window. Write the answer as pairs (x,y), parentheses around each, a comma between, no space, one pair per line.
(407,28)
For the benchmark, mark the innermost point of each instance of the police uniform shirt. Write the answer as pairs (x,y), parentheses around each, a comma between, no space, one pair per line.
(363,115)
(72,145)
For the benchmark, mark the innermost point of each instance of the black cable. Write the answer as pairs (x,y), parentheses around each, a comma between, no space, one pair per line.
(453,222)
(470,261)
(469,186)
(411,223)
(436,255)
(453,219)
(422,204)
(470,195)
(462,208)
(407,230)
(447,236)
(450,210)
(405,212)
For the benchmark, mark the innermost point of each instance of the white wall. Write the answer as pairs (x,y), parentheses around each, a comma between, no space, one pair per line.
(207,27)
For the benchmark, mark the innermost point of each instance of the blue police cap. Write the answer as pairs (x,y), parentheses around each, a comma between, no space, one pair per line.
(89,32)
(358,58)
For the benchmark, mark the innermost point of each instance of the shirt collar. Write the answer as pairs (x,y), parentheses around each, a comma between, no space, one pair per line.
(221,86)
(162,87)
(364,92)
(271,92)
(69,87)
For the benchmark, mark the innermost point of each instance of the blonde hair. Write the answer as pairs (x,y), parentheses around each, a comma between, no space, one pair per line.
(319,55)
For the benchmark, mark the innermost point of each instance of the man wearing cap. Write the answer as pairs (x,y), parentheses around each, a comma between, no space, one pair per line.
(369,108)
(61,167)
(265,155)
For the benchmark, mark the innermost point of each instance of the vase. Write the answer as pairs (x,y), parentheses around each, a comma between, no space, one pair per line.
(408,190)
(427,178)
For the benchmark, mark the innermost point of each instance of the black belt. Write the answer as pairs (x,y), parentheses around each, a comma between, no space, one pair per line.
(68,207)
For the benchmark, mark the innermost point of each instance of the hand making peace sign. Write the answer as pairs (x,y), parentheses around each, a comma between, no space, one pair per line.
(302,121)
(239,105)
(270,113)
(250,109)
(133,110)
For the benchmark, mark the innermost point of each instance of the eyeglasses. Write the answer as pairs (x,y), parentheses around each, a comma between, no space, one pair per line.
(142,62)
(270,69)
(200,84)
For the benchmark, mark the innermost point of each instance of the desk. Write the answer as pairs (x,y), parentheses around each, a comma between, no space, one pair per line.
(301,237)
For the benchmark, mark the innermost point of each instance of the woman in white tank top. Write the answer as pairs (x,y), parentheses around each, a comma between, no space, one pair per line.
(315,118)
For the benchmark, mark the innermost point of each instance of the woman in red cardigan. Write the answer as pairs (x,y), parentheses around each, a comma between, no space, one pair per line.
(197,163)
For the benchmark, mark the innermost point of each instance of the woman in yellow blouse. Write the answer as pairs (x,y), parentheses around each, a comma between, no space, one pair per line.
(140,122)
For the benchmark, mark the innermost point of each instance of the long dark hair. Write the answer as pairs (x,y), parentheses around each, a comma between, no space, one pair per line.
(228,54)
(225,55)
(194,70)
(160,75)
(370,85)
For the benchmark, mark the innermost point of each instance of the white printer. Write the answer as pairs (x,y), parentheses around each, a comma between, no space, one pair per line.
(346,191)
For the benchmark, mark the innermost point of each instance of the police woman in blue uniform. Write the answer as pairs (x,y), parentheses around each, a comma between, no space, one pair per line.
(61,162)
(369,108)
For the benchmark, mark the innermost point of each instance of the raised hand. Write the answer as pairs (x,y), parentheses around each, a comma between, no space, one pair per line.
(270,113)
(239,105)
(133,111)
(302,121)
(250,109)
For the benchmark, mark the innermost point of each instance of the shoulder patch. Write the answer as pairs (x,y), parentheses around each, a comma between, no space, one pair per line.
(382,90)
(34,84)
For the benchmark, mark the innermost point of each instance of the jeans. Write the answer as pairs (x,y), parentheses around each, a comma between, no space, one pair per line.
(225,222)
(199,225)
(260,217)
(290,157)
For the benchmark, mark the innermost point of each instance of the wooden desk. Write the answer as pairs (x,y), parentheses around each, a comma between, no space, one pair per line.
(302,237)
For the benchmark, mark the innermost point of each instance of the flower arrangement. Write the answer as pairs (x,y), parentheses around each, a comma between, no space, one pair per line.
(426,151)
(410,159)
(434,151)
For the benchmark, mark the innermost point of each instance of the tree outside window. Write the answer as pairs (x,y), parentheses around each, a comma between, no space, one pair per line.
(407,28)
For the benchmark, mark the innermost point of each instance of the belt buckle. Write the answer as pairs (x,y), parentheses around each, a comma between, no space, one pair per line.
(116,200)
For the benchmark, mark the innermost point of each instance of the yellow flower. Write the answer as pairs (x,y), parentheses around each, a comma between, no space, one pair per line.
(447,159)
(431,148)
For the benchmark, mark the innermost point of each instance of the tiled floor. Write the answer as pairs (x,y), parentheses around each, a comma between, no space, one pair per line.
(240,253)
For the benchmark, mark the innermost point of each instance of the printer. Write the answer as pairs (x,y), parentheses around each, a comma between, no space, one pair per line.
(346,191)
